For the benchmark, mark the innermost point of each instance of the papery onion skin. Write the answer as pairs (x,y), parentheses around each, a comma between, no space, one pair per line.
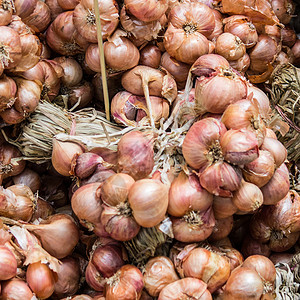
(159,272)
(277,187)
(242,64)
(67,5)
(126,284)
(15,289)
(243,282)
(186,287)
(262,99)
(260,170)
(29,178)
(40,279)
(284,10)
(215,93)
(8,89)
(148,199)
(223,207)
(8,264)
(222,229)
(239,146)
(24,8)
(201,144)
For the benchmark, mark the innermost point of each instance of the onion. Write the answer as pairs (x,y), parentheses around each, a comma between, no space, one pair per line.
(42,210)
(186,287)
(58,233)
(8,89)
(239,146)
(242,27)
(245,114)
(88,212)
(15,289)
(222,229)
(29,178)
(120,53)
(72,70)
(104,262)
(259,57)
(25,7)
(189,25)
(150,56)
(215,93)
(10,47)
(296,53)
(289,36)
(220,179)
(67,4)
(218,30)
(230,46)
(55,8)
(8,264)
(277,187)
(276,148)
(223,207)
(40,279)
(242,64)
(151,11)
(243,282)
(284,10)
(63,154)
(148,200)
(6,11)
(11,116)
(177,69)
(186,194)
(281,258)
(68,277)
(63,37)
(158,273)
(251,246)
(201,145)
(127,283)
(135,154)
(205,265)
(261,170)
(248,197)
(40,18)
(85,21)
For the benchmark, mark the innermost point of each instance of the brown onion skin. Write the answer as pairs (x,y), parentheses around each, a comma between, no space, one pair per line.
(177,69)
(150,56)
(277,187)
(186,287)
(127,283)
(67,5)
(15,289)
(281,258)
(135,155)
(261,170)
(8,264)
(243,283)
(55,8)
(159,272)
(262,99)
(68,277)
(25,8)
(283,9)
(242,64)
(289,36)
(186,194)
(40,279)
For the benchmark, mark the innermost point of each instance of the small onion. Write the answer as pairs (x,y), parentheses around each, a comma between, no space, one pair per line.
(8,264)
(223,207)
(15,289)
(150,56)
(158,273)
(148,200)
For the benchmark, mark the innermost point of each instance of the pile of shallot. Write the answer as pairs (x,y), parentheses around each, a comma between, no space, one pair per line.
(187,193)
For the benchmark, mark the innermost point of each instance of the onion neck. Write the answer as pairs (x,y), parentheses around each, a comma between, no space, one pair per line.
(268,287)
(227,72)
(8,5)
(124,209)
(193,218)
(114,280)
(5,169)
(214,153)
(189,28)
(90,18)
(4,55)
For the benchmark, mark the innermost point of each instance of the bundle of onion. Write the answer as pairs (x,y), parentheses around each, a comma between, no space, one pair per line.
(278,225)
